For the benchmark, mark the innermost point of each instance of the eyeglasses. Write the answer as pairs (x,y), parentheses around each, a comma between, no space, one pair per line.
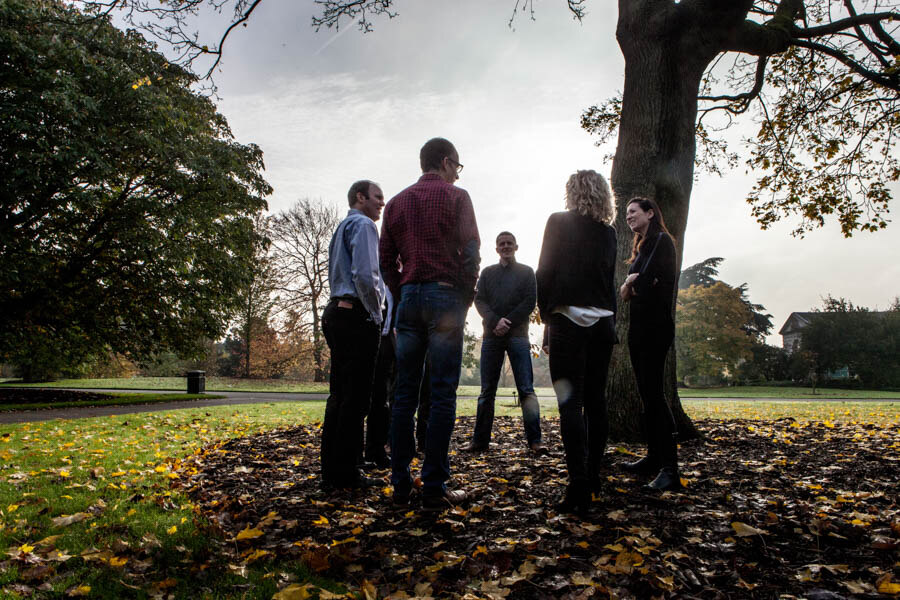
(458,165)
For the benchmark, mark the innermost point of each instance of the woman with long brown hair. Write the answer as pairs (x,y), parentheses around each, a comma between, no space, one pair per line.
(650,289)
(576,296)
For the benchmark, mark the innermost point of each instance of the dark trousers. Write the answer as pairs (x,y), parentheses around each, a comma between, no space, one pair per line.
(493,350)
(424,410)
(579,362)
(648,350)
(430,319)
(353,341)
(379,420)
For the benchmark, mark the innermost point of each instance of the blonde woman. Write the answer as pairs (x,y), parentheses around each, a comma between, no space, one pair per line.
(577,302)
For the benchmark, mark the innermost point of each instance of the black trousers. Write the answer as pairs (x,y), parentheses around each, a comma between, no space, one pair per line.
(353,341)
(648,351)
(579,363)
(379,420)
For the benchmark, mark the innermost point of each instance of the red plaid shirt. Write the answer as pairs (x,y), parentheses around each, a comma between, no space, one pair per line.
(429,228)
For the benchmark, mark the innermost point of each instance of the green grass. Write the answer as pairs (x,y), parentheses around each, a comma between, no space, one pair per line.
(113,400)
(118,469)
(231,384)
(213,384)
(753,391)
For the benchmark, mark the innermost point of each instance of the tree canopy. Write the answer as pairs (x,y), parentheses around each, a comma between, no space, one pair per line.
(126,203)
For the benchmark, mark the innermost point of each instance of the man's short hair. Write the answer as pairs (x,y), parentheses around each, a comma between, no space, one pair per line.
(433,152)
(502,233)
(360,187)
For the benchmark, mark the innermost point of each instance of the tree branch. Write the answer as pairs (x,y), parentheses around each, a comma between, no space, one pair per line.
(742,101)
(218,51)
(843,24)
(891,81)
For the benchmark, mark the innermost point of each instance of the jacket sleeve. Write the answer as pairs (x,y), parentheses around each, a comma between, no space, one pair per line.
(470,245)
(528,292)
(546,266)
(659,273)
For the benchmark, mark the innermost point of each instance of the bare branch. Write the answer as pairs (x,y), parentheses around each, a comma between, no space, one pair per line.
(890,81)
(739,103)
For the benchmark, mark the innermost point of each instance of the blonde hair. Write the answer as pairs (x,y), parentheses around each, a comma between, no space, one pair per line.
(588,194)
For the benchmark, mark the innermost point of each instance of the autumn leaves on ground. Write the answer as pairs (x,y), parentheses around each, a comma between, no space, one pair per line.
(225,503)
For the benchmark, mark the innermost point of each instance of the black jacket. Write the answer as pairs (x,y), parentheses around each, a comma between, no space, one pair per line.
(506,292)
(577,264)
(651,306)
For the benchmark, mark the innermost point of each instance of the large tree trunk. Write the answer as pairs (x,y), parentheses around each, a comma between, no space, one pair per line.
(664,62)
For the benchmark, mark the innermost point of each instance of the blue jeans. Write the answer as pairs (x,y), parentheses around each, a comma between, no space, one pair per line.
(430,319)
(493,349)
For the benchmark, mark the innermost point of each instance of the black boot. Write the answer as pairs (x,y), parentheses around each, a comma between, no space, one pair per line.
(577,498)
(650,464)
(668,478)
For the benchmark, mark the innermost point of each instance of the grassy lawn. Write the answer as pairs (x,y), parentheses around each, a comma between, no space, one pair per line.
(90,503)
(113,400)
(230,384)
(753,391)
(213,384)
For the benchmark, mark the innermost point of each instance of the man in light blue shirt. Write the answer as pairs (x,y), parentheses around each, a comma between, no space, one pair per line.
(352,326)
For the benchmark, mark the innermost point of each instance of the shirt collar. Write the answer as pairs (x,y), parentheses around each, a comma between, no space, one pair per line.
(356,211)
(430,177)
(511,263)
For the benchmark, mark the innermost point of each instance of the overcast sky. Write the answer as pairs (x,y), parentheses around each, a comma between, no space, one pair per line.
(329,108)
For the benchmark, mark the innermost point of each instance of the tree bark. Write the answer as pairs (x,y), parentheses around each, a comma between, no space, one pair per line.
(666,47)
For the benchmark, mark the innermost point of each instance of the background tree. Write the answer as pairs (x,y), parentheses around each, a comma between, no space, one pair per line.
(300,239)
(710,339)
(821,80)
(257,298)
(867,342)
(125,204)
(704,273)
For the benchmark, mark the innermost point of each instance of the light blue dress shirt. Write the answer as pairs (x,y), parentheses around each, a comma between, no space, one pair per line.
(353,263)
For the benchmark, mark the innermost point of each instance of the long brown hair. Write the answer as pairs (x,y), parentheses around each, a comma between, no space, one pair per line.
(657,224)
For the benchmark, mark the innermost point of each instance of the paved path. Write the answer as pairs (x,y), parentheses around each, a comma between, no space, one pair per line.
(234,398)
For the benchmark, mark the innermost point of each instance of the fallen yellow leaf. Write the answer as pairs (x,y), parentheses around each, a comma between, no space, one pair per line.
(744,530)
(295,591)
(249,534)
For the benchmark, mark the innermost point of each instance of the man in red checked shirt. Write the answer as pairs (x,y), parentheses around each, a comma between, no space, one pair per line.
(429,228)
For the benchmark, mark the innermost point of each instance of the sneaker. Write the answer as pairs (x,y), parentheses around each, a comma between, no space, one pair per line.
(667,480)
(448,499)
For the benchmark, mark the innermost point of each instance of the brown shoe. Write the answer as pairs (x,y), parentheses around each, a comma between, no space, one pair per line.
(448,499)
(538,449)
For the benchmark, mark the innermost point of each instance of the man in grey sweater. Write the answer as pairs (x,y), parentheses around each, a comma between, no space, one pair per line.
(505,298)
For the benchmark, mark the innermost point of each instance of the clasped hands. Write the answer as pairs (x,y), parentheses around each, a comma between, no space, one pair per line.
(502,327)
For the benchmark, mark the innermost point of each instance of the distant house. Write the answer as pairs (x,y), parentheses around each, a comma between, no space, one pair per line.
(791,330)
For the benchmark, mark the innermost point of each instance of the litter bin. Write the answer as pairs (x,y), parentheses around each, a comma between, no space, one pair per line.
(196,382)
